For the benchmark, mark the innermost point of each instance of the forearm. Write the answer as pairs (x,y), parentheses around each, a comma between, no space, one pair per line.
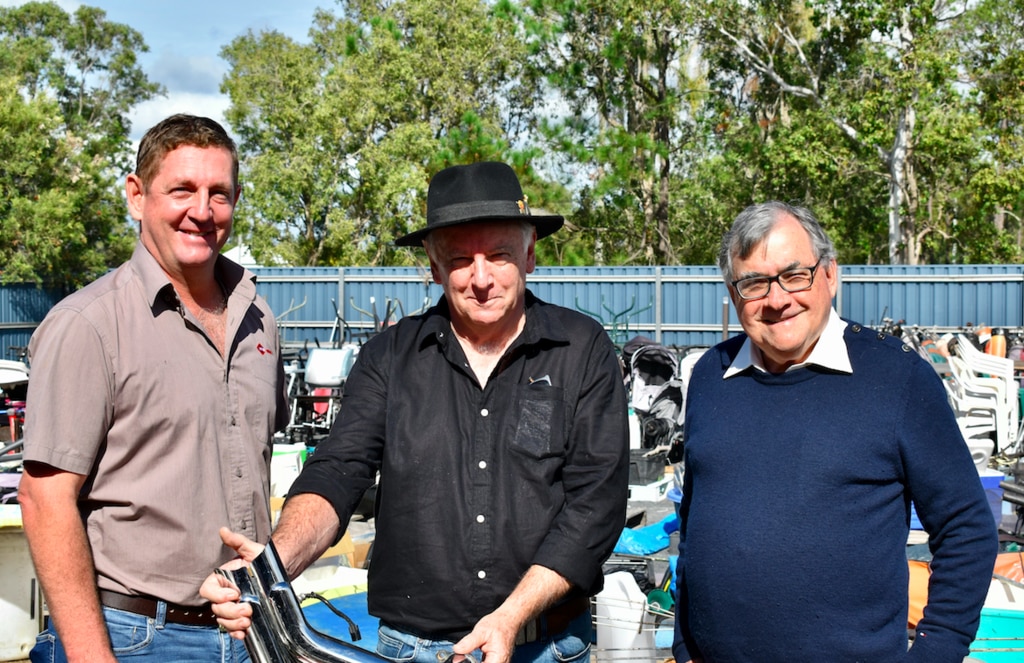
(538,590)
(64,566)
(308,526)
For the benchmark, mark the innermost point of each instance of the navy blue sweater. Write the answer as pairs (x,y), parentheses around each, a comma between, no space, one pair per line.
(795,512)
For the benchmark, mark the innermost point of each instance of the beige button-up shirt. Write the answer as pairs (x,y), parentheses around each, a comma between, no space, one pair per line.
(175,440)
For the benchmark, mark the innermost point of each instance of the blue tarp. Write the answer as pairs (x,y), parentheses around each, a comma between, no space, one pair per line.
(648,539)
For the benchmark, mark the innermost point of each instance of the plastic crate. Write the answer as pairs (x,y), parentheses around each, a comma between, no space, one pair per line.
(1000,637)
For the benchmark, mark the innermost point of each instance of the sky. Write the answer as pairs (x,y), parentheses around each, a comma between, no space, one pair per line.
(185,38)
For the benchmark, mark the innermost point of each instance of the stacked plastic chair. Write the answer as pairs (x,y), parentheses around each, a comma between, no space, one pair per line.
(977,411)
(982,373)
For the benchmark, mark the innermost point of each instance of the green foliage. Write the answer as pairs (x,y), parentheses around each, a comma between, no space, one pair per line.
(649,124)
(69,81)
(894,81)
(341,136)
(624,72)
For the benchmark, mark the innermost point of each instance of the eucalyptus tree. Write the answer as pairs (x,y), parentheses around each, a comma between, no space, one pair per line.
(69,82)
(873,68)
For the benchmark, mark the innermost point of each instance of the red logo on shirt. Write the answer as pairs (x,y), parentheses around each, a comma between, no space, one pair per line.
(263,350)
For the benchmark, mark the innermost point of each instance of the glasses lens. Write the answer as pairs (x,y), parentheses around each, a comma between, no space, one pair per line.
(753,288)
(796,279)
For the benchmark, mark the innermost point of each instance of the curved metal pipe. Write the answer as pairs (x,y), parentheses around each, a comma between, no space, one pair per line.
(279,631)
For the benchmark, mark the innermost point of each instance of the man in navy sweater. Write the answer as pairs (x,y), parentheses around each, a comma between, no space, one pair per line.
(806,439)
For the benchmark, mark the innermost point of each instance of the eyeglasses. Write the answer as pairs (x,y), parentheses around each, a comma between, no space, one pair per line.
(792,280)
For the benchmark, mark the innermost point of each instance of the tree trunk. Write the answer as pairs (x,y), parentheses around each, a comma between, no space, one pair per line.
(902,242)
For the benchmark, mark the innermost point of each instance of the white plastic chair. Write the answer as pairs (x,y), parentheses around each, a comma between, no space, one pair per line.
(977,410)
(987,371)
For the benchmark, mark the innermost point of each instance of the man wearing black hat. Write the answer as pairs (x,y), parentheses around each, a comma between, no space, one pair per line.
(498,425)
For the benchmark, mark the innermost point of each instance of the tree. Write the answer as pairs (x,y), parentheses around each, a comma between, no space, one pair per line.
(873,68)
(992,40)
(70,81)
(340,136)
(624,71)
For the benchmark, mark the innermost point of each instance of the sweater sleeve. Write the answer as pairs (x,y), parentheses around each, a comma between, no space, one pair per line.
(951,504)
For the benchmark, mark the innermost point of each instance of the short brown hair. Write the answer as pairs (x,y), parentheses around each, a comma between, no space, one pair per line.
(173,132)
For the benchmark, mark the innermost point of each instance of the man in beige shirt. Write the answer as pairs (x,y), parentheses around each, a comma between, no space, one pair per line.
(154,397)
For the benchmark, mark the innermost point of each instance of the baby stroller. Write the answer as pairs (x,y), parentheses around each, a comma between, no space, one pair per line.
(657,395)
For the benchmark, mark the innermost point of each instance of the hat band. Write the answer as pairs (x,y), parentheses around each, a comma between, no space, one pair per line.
(476,210)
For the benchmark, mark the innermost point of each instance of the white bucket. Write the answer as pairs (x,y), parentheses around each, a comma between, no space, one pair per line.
(625,630)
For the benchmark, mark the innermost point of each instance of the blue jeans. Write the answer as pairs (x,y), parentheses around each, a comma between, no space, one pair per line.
(139,638)
(570,646)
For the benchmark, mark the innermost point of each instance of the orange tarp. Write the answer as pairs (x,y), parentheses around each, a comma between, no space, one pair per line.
(1008,565)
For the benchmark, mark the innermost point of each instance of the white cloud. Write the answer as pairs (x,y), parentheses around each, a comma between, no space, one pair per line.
(193,73)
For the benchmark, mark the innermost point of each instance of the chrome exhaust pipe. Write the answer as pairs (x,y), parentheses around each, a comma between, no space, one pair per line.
(279,632)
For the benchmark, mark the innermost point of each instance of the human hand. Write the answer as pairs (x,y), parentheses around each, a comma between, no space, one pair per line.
(494,635)
(222,594)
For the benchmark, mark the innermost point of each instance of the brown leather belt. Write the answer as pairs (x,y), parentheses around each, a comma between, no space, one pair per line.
(553,621)
(175,614)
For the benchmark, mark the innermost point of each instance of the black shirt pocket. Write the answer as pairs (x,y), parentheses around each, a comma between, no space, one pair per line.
(540,421)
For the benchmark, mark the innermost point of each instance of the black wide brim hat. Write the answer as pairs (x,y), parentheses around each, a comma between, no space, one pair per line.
(486,191)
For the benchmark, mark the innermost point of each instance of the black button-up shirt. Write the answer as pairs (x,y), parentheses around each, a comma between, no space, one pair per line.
(476,485)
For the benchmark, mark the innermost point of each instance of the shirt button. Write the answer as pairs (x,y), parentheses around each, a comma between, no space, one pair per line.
(483,465)
(481,574)
(484,412)
(480,518)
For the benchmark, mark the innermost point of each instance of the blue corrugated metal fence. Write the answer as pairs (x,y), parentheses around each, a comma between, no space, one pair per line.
(680,306)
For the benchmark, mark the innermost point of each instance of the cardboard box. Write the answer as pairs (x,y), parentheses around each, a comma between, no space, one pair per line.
(361,553)
(344,550)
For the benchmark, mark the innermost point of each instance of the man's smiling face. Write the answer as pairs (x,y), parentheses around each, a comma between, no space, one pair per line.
(186,211)
(785,325)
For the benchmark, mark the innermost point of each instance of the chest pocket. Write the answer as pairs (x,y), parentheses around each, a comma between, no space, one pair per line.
(540,421)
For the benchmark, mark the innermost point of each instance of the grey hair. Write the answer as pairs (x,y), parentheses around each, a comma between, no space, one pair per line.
(753,225)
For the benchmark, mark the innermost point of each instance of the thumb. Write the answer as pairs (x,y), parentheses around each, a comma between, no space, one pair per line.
(244,547)
(466,645)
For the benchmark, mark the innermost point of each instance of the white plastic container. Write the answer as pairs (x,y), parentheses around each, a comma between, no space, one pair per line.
(285,465)
(625,630)
(21,609)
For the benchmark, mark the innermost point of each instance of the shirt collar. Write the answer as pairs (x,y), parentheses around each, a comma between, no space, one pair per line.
(234,278)
(829,352)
